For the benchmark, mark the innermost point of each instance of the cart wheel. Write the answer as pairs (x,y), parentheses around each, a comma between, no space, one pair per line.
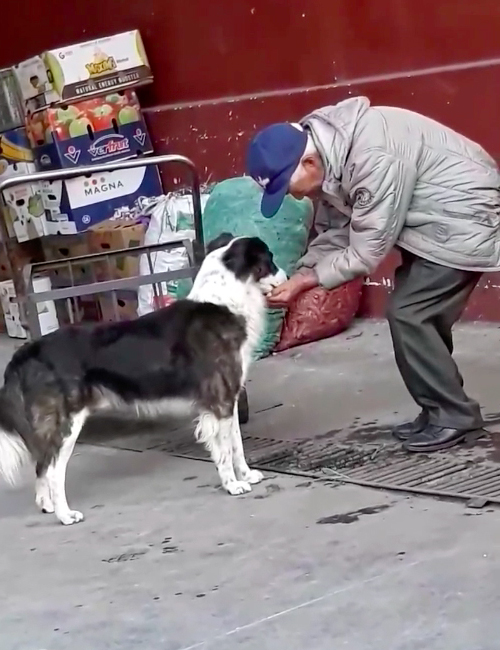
(243,411)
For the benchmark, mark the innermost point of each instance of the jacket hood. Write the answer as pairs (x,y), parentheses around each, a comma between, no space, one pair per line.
(332,130)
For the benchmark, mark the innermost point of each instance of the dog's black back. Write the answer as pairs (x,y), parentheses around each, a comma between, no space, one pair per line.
(184,351)
(168,353)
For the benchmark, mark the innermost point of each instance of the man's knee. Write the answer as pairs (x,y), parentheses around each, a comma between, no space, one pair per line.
(393,310)
(399,313)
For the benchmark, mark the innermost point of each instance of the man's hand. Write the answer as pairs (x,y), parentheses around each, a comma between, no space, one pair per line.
(286,293)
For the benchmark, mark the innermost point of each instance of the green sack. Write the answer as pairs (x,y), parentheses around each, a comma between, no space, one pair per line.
(234,207)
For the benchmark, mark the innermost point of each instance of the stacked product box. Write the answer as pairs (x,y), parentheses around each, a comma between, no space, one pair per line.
(26,253)
(108,235)
(11,111)
(72,107)
(117,234)
(80,109)
(113,234)
(47,315)
(24,212)
(126,305)
(89,132)
(80,203)
(60,248)
(89,69)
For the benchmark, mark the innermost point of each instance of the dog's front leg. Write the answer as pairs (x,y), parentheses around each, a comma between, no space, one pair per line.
(243,472)
(225,465)
(216,435)
(42,490)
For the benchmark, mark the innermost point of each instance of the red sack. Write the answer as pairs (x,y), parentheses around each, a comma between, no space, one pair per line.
(318,314)
(162,301)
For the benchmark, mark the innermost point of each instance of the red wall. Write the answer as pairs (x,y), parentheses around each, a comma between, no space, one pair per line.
(227,67)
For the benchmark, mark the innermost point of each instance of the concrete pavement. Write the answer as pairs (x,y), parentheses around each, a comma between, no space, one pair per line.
(166,561)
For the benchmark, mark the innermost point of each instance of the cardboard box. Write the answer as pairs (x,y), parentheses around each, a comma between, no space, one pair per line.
(126,306)
(88,132)
(82,203)
(26,253)
(35,84)
(46,310)
(5,273)
(83,70)
(96,67)
(85,308)
(11,112)
(25,212)
(63,247)
(115,235)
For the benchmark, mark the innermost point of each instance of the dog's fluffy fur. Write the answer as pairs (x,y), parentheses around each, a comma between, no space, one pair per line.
(192,356)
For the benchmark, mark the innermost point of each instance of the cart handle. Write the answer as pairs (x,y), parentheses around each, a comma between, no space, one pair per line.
(64,174)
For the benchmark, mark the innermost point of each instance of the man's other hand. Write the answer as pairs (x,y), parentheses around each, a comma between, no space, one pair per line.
(284,294)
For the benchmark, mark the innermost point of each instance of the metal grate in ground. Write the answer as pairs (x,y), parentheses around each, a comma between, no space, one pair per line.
(375,464)
(386,467)
(372,465)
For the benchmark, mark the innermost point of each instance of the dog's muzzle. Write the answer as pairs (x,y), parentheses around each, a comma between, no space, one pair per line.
(268,283)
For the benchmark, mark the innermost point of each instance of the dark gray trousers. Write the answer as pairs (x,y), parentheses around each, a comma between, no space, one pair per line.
(427,300)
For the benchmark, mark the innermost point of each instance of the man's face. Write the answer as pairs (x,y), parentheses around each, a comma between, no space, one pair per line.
(307,179)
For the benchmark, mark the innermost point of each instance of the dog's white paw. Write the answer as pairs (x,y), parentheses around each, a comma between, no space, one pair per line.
(252,476)
(71,517)
(238,487)
(42,495)
(44,502)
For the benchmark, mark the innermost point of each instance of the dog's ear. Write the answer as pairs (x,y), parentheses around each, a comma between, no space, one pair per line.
(220,241)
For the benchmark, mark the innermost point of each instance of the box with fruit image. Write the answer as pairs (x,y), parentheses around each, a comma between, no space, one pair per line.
(83,70)
(96,67)
(89,132)
(80,203)
(24,211)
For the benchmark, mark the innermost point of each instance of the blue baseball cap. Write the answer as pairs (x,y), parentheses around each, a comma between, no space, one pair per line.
(273,156)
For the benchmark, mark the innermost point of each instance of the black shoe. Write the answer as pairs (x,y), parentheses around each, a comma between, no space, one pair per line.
(409,429)
(434,438)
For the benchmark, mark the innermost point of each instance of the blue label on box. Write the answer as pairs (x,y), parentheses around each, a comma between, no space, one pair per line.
(80,203)
(94,148)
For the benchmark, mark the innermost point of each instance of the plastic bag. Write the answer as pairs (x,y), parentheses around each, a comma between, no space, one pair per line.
(171,217)
(318,314)
(234,207)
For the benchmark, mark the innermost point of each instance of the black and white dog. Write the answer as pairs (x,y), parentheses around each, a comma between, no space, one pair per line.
(190,357)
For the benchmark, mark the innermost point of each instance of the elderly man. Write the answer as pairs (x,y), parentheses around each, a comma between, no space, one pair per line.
(388,177)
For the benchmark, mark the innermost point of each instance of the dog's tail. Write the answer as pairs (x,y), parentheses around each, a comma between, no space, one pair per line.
(13,422)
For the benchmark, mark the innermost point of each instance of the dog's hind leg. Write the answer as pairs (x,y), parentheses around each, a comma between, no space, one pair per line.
(42,490)
(216,435)
(56,471)
(242,471)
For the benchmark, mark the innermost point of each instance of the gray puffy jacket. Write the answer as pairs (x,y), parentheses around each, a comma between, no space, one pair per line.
(394,177)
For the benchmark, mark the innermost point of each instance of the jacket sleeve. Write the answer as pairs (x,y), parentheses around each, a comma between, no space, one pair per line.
(381,192)
(332,228)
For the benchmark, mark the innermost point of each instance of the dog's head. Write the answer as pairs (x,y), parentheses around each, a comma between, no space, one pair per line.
(248,258)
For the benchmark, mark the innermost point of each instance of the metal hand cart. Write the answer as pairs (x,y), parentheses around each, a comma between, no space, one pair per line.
(28,299)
